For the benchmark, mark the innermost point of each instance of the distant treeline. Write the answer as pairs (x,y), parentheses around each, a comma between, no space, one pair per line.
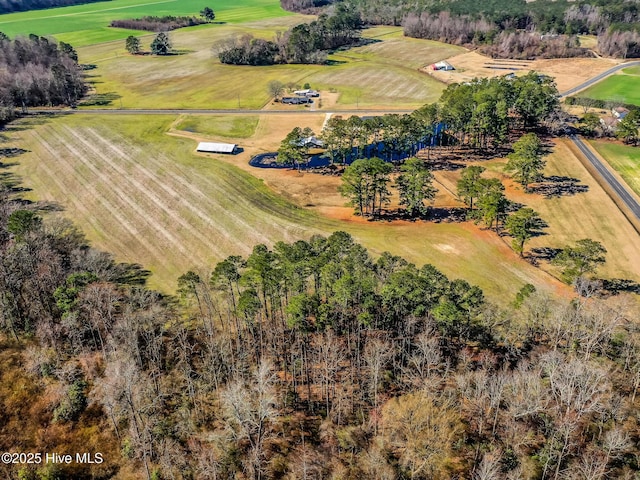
(37,71)
(8,6)
(526,45)
(492,22)
(157,24)
(304,43)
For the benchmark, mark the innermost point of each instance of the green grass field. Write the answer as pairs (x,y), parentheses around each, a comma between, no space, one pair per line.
(148,198)
(380,74)
(624,159)
(89,24)
(218,125)
(623,87)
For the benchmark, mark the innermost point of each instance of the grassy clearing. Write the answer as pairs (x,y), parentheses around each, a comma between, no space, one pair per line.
(148,198)
(591,214)
(380,74)
(623,87)
(219,125)
(88,24)
(624,159)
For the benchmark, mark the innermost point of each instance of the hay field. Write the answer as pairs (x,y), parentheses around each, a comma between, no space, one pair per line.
(624,159)
(622,87)
(373,75)
(148,198)
(89,24)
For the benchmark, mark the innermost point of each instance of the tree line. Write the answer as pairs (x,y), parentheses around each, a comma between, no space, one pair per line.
(309,359)
(157,24)
(38,71)
(8,6)
(304,43)
(481,114)
(496,23)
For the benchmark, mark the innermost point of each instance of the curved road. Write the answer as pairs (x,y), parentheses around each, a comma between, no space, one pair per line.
(597,78)
(619,189)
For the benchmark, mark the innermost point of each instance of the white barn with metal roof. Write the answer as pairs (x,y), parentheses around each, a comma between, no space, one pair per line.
(210,147)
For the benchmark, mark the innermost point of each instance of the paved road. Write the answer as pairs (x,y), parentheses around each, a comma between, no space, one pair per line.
(597,78)
(619,189)
(169,111)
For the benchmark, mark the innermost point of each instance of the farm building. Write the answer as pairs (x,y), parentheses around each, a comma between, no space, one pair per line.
(442,66)
(209,147)
(307,93)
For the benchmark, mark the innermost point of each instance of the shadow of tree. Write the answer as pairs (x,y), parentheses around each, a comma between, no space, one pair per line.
(444,164)
(10,153)
(131,274)
(558,186)
(545,253)
(619,285)
(100,99)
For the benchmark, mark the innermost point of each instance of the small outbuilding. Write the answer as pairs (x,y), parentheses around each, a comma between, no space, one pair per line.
(210,147)
(307,92)
(442,66)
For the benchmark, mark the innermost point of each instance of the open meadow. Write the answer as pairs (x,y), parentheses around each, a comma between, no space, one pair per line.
(381,74)
(89,24)
(624,159)
(148,198)
(622,87)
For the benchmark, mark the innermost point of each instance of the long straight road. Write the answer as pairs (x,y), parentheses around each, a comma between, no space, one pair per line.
(597,78)
(619,189)
(179,111)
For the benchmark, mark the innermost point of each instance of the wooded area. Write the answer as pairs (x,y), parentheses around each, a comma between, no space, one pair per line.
(303,361)
(500,23)
(157,24)
(304,43)
(38,71)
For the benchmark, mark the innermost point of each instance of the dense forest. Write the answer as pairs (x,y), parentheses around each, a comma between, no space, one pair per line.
(304,43)
(467,22)
(38,71)
(8,6)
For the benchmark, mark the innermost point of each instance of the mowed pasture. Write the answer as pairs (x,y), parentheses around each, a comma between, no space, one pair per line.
(89,24)
(623,87)
(224,126)
(571,217)
(624,159)
(148,198)
(378,74)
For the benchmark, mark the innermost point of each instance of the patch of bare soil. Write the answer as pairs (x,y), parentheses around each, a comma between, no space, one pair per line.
(567,72)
